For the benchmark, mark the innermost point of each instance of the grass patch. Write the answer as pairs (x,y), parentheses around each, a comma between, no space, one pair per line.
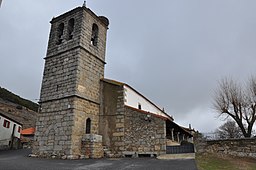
(214,162)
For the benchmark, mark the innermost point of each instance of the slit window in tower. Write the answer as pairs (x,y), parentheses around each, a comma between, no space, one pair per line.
(88,126)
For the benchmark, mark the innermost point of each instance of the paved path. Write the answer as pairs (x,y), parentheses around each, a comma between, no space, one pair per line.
(18,160)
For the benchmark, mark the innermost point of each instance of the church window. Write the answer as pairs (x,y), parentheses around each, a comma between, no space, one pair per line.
(94,37)
(60,33)
(88,126)
(71,24)
(139,106)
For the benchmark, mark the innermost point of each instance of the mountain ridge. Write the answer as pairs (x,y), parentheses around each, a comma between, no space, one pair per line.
(15,107)
(9,96)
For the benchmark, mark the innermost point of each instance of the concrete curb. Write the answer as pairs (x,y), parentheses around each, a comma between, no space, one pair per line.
(177,156)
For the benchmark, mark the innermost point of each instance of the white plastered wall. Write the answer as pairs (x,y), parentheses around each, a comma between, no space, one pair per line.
(6,133)
(133,99)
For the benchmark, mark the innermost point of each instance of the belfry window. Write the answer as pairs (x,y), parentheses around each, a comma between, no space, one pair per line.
(71,24)
(88,126)
(60,33)
(95,32)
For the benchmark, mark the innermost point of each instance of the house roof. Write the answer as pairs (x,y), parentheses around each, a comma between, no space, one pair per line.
(7,117)
(124,84)
(172,124)
(28,131)
(188,129)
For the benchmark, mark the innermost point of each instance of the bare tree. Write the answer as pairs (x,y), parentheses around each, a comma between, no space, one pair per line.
(238,103)
(229,130)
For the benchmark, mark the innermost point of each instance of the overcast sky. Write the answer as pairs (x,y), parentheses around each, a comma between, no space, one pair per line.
(172,51)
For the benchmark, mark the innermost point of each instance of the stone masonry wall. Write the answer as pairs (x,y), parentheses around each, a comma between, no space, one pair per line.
(89,18)
(84,19)
(112,118)
(60,75)
(75,66)
(83,111)
(53,48)
(234,147)
(144,133)
(129,131)
(89,72)
(61,126)
(54,128)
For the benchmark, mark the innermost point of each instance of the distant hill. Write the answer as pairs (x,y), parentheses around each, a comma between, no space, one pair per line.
(9,96)
(17,108)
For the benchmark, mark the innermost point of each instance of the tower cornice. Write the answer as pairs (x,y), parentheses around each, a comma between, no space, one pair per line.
(102,19)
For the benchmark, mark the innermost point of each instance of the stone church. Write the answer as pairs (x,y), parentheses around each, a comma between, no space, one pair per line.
(84,115)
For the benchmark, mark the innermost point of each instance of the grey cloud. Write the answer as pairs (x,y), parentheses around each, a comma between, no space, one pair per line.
(173,52)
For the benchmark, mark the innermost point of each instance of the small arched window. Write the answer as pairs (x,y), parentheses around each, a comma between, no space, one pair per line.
(60,33)
(88,126)
(95,32)
(71,24)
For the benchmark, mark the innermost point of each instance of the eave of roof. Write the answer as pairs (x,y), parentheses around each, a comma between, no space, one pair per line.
(7,117)
(181,128)
(112,82)
(149,113)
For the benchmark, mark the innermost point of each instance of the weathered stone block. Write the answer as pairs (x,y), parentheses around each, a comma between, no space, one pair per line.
(118,134)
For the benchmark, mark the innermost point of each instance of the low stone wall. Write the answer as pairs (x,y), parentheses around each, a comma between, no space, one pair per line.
(4,144)
(234,147)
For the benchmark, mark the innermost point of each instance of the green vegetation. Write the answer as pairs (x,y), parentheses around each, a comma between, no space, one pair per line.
(213,162)
(9,96)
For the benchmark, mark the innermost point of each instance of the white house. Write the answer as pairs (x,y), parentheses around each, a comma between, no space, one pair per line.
(9,131)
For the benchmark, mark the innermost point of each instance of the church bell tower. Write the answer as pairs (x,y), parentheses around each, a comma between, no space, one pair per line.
(70,92)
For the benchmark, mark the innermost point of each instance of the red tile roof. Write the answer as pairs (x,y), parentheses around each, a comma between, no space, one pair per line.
(149,113)
(28,131)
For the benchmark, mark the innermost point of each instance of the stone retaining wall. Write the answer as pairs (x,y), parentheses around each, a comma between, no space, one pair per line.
(234,147)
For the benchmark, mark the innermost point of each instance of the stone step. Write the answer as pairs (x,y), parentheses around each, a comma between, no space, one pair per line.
(177,156)
(107,152)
